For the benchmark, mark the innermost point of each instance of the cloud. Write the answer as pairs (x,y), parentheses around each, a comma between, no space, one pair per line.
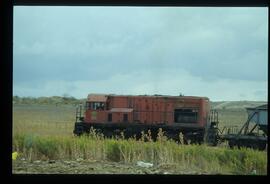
(171,82)
(137,49)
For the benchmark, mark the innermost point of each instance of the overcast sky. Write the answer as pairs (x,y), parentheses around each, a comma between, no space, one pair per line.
(221,53)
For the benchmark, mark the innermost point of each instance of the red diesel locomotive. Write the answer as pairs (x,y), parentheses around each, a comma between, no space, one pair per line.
(112,114)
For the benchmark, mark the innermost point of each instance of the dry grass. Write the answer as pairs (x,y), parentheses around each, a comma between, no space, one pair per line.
(199,158)
(232,117)
(43,119)
(45,132)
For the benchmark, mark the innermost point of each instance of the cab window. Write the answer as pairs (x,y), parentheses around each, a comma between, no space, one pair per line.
(95,105)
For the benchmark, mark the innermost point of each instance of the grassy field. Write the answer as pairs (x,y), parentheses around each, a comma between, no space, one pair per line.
(59,120)
(44,133)
(44,120)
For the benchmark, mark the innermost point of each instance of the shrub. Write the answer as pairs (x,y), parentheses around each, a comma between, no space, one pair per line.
(160,153)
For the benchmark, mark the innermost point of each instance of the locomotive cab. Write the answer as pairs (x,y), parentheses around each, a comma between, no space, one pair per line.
(95,108)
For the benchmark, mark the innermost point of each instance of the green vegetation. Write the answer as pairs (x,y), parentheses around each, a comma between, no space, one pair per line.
(44,132)
(43,119)
(162,153)
(232,117)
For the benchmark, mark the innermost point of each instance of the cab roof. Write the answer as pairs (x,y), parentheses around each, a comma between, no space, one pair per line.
(97,98)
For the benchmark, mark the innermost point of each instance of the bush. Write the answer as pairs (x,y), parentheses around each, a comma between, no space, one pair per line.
(195,157)
(47,147)
(113,151)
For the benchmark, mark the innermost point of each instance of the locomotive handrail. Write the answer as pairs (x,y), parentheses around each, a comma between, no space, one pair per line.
(213,117)
(79,112)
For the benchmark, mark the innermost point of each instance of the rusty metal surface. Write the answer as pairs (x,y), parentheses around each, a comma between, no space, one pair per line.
(147,109)
(97,98)
(151,96)
(121,110)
